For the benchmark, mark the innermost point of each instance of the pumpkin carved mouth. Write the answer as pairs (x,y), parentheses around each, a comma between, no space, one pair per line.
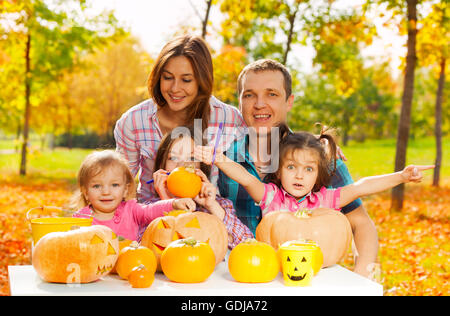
(104,269)
(296,278)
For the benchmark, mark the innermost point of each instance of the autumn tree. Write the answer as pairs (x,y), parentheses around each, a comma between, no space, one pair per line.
(265,28)
(228,63)
(51,37)
(433,51)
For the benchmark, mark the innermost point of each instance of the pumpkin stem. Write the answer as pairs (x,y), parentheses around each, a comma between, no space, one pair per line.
(134,244)
(190,241)
(190,168)
(303,213)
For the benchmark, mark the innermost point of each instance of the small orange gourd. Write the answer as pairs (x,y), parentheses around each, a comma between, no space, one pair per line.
(141,277)
(133,256)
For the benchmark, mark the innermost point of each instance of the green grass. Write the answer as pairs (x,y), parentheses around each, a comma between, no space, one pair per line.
(378,157)
(364,159)
(58,164)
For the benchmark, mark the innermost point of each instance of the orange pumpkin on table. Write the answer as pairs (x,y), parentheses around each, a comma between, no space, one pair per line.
(123,242)
(81,255)
(133,256)
(329,228)
(253,261)
(141,277)
(202,226)
(188,261)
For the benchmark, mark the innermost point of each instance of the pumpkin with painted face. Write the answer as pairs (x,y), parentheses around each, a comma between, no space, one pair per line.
(297,264)
(81,255)
(202,226)
(305,244)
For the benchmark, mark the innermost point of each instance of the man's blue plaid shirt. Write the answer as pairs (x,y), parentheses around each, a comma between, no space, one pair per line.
(246,210)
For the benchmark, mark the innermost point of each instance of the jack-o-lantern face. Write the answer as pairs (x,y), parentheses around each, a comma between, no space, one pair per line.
(201,226)
(297,266)
(78,256)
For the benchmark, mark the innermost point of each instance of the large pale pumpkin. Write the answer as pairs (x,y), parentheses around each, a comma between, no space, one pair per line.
(330,229)
(81,255)
(202,226)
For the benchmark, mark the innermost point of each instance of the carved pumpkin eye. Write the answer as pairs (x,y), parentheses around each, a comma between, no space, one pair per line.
(96,240)
(288,259)
(304,259)
(194,223)
(163,225)
(111,250)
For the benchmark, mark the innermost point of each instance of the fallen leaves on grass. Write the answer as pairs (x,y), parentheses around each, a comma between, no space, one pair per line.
(414,243)
(15,231)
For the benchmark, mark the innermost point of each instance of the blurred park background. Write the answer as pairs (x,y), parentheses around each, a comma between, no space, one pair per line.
(375,69)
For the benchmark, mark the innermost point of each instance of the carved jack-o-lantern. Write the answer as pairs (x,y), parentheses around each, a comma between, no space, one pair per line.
(81,255)
(297,265)
(203,227)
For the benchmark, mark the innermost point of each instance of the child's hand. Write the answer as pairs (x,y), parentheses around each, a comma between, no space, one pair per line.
(160,184)
(206,153)
(184,204)
(207,195)
(412,173)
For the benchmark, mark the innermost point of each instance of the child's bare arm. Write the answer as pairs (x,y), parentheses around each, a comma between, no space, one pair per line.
(235,171)
(375,184)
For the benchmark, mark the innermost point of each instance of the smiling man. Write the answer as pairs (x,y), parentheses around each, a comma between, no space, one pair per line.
(265,98)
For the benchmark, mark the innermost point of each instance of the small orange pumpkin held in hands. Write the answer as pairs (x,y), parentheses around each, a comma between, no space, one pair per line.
(253,261)
(133,256)
(188,261)
(183,182)
(141,277)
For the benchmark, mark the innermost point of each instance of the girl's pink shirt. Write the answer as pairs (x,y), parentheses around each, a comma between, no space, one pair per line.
(131,218)
(277,199)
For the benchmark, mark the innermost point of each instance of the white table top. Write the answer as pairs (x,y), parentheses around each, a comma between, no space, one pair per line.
(334,280)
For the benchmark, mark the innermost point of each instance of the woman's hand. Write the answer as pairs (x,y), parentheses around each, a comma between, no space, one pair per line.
(184,204)
(160,184)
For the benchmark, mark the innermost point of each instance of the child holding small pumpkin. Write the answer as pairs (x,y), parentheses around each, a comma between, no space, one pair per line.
(175,150)
(106,192)
(303,174)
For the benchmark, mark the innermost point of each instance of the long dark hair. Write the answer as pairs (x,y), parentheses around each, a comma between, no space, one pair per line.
(291,141)
(195,49)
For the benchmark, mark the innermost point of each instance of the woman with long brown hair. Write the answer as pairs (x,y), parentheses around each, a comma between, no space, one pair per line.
(180,85)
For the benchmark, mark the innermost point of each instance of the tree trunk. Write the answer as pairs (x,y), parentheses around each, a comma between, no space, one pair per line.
(291,32)
(205,21)
(69,126)
(23,162)
(438,124)
(405,114)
